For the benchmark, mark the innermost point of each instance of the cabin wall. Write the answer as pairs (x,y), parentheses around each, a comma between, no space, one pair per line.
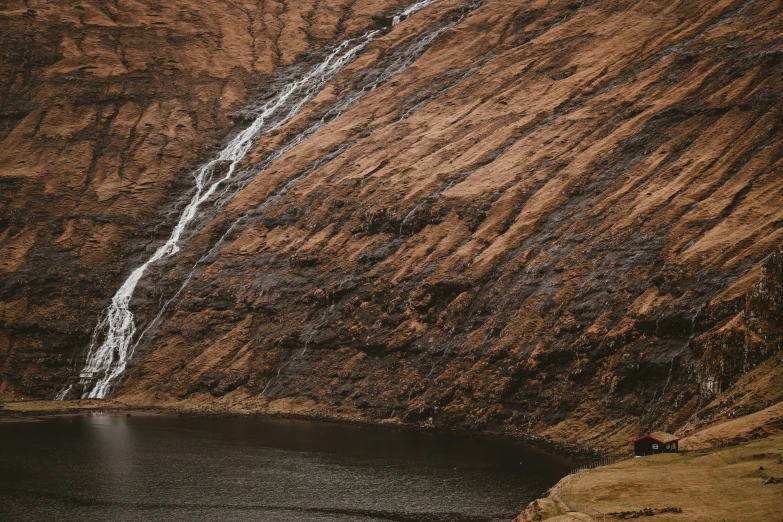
(653,447)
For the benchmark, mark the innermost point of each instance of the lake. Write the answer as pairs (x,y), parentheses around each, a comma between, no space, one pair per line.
(110,467)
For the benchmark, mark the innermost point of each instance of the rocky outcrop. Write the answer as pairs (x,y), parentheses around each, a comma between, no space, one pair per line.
(560,220)
(749,337)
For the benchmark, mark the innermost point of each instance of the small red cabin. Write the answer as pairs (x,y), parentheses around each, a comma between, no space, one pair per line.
(655,442)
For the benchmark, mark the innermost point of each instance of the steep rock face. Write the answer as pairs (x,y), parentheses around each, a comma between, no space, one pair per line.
(561,219)
(104,108)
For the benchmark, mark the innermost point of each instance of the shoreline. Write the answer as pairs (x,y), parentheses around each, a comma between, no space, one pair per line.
(690,485)
(571,454)
(572,498)
(726,432)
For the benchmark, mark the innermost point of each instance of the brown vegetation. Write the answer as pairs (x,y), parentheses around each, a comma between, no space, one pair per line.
(562,220)
(729,483)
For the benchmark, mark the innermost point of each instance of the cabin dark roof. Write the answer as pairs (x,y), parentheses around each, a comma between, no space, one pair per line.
(660,436)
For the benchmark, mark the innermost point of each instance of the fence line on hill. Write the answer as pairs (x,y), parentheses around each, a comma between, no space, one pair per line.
(607,461)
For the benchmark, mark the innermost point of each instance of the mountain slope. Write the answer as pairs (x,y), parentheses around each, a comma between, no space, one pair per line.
(104,109)
(562,218)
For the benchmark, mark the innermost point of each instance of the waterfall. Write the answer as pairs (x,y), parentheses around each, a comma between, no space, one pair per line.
(418,6)
(107,360)
(64,393)
(111,345)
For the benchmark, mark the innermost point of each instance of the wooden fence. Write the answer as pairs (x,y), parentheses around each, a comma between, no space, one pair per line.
(608,461)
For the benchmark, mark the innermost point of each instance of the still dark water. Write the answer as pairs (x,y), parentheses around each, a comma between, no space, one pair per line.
(115,468)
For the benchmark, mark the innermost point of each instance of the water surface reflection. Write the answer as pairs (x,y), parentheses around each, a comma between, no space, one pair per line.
(140,468)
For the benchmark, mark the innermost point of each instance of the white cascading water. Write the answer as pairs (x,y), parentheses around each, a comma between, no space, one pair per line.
(418,6)
(64,393)
(108,359)
(117,328)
